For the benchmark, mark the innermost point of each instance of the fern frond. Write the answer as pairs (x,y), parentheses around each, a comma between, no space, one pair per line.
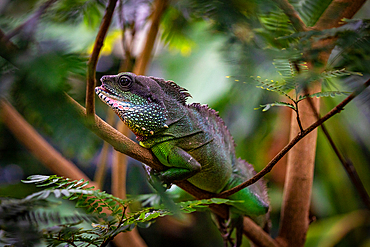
(323,94)
(337,73)
(271,86)
(93,200)
(277,22)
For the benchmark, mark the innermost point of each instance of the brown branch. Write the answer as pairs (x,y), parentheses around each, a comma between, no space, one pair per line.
(292,14)
(347,164)
(140,66)
(256,235)
(289,146)
(91,65)
(297,192)
(336,11)
(36,144)
(102,164)
(119,167)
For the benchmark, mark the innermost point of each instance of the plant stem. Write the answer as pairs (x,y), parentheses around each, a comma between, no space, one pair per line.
(297,116)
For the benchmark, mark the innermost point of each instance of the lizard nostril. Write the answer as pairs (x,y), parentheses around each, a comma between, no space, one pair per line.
(105,78)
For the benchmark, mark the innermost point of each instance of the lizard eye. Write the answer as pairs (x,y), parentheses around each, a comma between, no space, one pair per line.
(125,81)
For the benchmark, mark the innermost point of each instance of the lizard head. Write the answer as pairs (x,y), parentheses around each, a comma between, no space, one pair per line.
(140,101)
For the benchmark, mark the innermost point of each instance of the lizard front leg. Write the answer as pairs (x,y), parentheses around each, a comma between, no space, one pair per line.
(181,165)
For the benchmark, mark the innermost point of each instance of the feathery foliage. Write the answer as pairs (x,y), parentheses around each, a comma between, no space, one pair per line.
(21,220)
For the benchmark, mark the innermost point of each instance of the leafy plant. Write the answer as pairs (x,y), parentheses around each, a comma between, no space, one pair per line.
(21,220)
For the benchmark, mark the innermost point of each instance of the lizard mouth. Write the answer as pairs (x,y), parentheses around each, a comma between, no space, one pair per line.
(105,92)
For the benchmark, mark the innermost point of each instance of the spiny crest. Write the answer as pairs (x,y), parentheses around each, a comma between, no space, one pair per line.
(248,170)
(206,111)
(171,88)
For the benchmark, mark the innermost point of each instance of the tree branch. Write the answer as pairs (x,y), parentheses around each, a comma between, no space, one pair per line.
(336,11)
(91,65)
(347,164)
(34,142)
(292,14)
(289,146)
(101,168)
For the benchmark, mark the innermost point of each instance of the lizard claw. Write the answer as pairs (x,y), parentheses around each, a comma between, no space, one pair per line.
(227,227)
(155,179)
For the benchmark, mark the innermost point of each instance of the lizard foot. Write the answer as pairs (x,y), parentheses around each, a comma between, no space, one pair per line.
(226,229)
(155,179)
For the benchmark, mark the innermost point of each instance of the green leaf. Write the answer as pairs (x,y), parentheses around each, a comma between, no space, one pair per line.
(277,23)
(36,179)
(266,107)
(272,86)
(57,193)
(337,73)
(219,200)
(66,193)
(174,31)
(92,15)
(324,94)
(45,194)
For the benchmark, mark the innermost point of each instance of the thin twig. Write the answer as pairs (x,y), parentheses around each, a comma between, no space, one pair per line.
(298,118)
(285,150)
(347,164)
(91,65)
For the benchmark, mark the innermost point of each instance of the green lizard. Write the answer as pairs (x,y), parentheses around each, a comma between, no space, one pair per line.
(191,140)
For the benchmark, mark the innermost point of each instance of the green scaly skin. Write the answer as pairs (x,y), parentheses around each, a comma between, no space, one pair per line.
(191,140)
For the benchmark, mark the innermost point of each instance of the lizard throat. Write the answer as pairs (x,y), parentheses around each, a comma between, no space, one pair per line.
(143,119)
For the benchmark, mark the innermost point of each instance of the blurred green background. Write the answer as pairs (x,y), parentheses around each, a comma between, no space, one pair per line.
(205,56)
